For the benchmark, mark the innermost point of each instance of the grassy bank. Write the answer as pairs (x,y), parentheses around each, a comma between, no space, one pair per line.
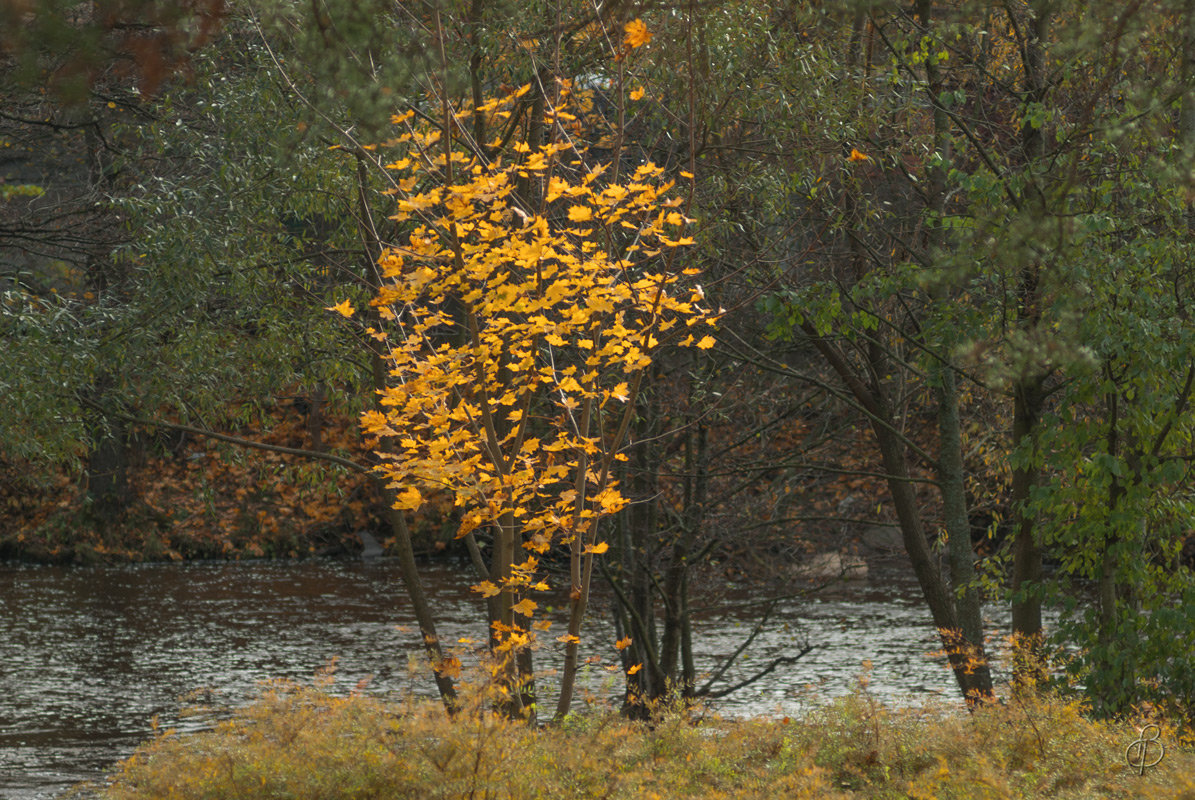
(305,744)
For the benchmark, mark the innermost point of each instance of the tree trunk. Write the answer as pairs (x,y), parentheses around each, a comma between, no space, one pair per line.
(441,668)
(108,490)
(951,475)
(316,400)
(1028,399)
(676,578)
(951,478)
(974,679)
(642,523)
(1028,390)
(107,479)
(973,675)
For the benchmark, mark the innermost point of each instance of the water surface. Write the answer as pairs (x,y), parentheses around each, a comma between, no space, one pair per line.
(89,656)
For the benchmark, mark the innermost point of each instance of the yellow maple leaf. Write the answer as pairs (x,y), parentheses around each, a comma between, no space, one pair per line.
(611,500)
(597,549)
(580,213)
(542,625)
(568,638)
(637,33)
(486,589)
(706,342)
(408,499)
(344,309)
(634,669)
(857,156)
(526,607)
(637,94)
(623,644)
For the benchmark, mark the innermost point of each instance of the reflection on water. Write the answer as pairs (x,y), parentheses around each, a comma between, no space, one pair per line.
(89,656)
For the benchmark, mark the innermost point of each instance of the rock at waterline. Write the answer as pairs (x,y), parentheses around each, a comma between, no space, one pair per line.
(883,538)
(371,547)
(830,566)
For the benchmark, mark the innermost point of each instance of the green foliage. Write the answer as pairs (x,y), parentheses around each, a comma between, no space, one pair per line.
(44,336)
(241,230)
(1031,238)
(8,191)
(355,62)
(242,241)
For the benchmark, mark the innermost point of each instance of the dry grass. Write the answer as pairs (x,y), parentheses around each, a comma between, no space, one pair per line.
(306,744)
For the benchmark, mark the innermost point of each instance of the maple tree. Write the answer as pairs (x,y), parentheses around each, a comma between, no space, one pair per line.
(518,337)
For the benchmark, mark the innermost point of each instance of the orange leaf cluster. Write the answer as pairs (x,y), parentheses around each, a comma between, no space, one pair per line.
(514,331)
(637,33)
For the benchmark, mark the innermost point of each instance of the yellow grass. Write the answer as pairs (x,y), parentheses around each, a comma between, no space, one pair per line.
(306,744)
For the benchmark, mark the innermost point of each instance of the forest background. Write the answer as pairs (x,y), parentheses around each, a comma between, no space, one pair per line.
(938,252)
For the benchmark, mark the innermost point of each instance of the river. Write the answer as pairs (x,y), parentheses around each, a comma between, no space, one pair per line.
(89,656)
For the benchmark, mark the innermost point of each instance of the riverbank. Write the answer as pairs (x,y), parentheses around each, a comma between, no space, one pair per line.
(197,498)
(306,743)
(185,497)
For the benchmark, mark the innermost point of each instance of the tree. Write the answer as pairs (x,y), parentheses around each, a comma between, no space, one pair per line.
(245,224)
(857,235)
(963,222)
(521,337)
(720,447)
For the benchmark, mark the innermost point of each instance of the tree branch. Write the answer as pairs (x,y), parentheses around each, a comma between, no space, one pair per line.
(237,440)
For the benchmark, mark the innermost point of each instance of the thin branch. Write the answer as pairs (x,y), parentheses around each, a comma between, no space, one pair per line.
(223,437)
(779,662)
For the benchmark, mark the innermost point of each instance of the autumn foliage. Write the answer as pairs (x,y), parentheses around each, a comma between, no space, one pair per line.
(519,314)
(200,498)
